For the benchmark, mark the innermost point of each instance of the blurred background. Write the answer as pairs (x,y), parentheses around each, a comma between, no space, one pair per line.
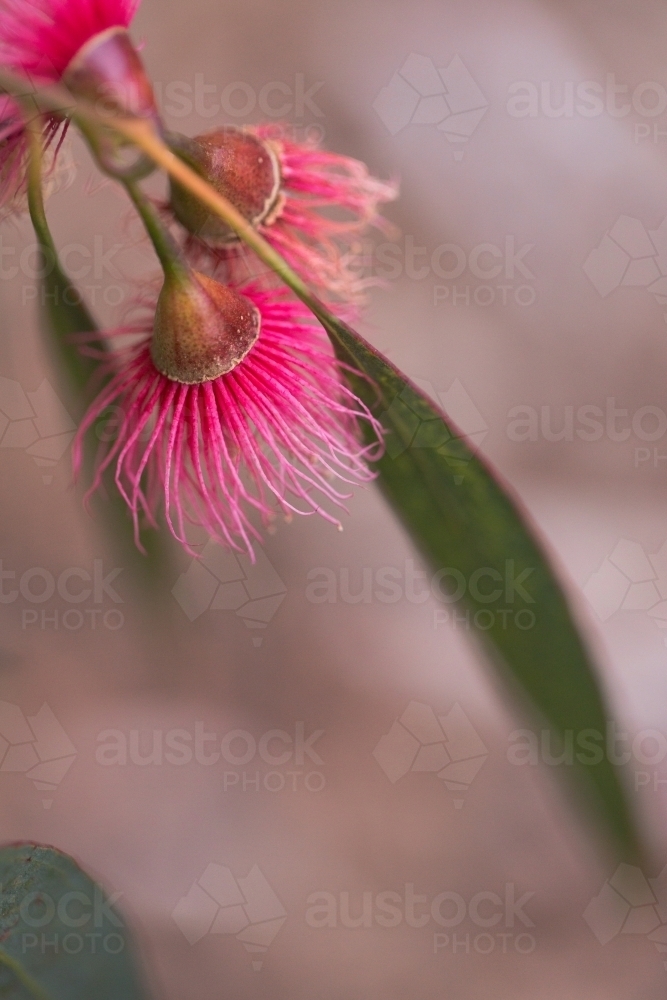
(241,759)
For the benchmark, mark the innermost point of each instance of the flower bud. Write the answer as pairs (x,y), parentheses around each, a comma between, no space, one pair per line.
(108,71)
(202,329)
(240,166)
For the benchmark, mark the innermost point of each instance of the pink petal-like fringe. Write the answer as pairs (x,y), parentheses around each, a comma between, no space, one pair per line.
(40,37)
(275,434)
(322,248)
(14,150)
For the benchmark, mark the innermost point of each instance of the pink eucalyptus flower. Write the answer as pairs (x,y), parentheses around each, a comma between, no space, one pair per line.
(40,38)
(311,205)
(81,43)
(277,432)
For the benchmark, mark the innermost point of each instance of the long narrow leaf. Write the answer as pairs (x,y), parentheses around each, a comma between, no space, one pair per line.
(461,518)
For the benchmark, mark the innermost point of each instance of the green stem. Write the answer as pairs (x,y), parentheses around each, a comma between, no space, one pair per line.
(35,191)
(62,305)
(165,246)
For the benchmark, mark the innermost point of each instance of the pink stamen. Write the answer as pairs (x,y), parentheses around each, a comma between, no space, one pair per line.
(277,431)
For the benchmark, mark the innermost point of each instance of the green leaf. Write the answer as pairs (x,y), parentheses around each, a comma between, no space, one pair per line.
(60,939)
(63,309)
(461,517)
(64,314)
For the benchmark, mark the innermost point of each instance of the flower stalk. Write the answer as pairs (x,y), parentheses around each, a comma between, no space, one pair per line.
(35,190)
(165,246)
(62,301)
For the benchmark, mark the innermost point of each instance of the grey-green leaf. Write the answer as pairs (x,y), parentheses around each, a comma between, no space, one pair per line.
(60,937)
(63,308)
(64,316)
(462,518)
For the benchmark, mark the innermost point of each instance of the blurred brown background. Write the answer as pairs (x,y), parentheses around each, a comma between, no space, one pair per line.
(570,206)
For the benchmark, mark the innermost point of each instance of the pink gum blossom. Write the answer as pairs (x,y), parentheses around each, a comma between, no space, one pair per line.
(278,433)
(328,203)
(39,38)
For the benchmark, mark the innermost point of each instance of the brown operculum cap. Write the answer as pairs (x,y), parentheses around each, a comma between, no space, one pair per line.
(108,71)
(243,168)
(202,329)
